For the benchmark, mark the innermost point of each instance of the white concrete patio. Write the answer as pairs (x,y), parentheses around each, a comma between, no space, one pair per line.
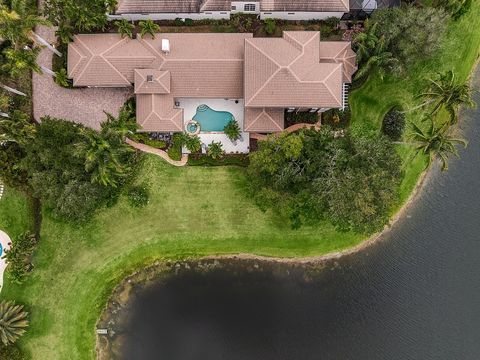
(234,106)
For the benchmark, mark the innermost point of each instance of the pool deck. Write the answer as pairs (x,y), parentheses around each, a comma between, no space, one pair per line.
(189,106)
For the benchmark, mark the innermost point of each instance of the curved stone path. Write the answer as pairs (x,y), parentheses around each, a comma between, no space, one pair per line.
(158,152)
(83,105)
(5,245)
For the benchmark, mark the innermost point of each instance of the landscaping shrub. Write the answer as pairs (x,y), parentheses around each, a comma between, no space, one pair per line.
(215,150)
(138,195)
(144,138)
(292,118)
(19,257)
(175,150)
(394,124)
(188,22)
(270,26)
(230,159)
(232,130)
(11,353)
(336,118)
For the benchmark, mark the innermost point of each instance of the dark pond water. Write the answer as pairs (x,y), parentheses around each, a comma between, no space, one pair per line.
(415,295)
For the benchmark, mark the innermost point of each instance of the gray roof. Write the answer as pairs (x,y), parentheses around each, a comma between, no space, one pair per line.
(381,4)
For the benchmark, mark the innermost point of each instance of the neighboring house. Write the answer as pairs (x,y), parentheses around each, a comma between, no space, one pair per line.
(221,9)
(360,9)
(263,76)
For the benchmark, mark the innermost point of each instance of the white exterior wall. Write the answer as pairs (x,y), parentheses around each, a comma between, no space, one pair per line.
(240,5)
(216,15)
(299,15)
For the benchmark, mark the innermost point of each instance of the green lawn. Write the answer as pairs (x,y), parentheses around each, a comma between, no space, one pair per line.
(193,211)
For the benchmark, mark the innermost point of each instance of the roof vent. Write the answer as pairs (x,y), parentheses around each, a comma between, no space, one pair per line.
(166,46)
(149,78)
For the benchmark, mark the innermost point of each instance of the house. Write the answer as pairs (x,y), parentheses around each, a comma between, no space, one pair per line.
(221,9)
(255,80)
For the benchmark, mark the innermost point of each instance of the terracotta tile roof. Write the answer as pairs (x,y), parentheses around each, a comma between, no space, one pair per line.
(340,52)
(305,5)
(287,73)
(151,81)
(263,120)
(171,6)
(156,113)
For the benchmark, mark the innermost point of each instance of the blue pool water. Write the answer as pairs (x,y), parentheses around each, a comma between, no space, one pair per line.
(212,120)
(1,250)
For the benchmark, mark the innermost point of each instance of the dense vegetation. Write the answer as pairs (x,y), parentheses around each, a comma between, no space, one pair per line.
(313,175)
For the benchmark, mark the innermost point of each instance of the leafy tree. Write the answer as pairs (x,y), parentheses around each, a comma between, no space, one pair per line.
(17,128)
(232,130)
(410,33)
(65,33)
(313,175)
(449,93)
(148,27)
(436,142)
(13,322)
(125,28)
(81,15)
(456,8)
(11,353)
(215,150)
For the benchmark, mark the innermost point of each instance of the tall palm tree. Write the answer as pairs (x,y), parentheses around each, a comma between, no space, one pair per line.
(365,42)
(380,59)
(101,159)
(13,322)
(17,24)
(436,143)
(449,93)
(148,27)
(232,130)
(125,28)
(17,128)
(17,61)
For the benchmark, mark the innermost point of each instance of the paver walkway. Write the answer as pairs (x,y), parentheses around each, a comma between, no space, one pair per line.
(161,153)
(85,105)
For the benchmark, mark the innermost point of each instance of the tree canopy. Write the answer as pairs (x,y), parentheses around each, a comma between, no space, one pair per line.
(313,175)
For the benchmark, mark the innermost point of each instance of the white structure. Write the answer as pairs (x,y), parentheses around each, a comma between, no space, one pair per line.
(222,9)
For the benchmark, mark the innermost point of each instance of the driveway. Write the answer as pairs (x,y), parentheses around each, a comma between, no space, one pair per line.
(84,105)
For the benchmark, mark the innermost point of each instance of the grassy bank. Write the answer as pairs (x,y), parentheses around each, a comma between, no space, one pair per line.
(193,211)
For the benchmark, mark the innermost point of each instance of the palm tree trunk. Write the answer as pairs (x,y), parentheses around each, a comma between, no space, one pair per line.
(39,40)
(48,71)
(12,90)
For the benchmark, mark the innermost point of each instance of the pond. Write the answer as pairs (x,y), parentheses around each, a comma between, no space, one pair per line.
(413,295)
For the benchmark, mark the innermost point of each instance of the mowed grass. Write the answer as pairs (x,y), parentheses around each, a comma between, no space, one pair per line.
(459,51)
(193,211)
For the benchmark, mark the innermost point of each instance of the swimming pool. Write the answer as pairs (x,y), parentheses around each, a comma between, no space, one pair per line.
(211,120)
(1,250)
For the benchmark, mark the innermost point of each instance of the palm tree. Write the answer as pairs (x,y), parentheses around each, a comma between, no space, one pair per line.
(17,128)
(65,33)
(366,41)
(380,59)
(17,61)
(61,78)
(125,28)
(449,93)
(101,159)
(13,322)
(215,150)
(436,142)
(148,27)
(192,142)
(232,130)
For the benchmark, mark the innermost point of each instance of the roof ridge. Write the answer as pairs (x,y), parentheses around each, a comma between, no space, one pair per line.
(329,75)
